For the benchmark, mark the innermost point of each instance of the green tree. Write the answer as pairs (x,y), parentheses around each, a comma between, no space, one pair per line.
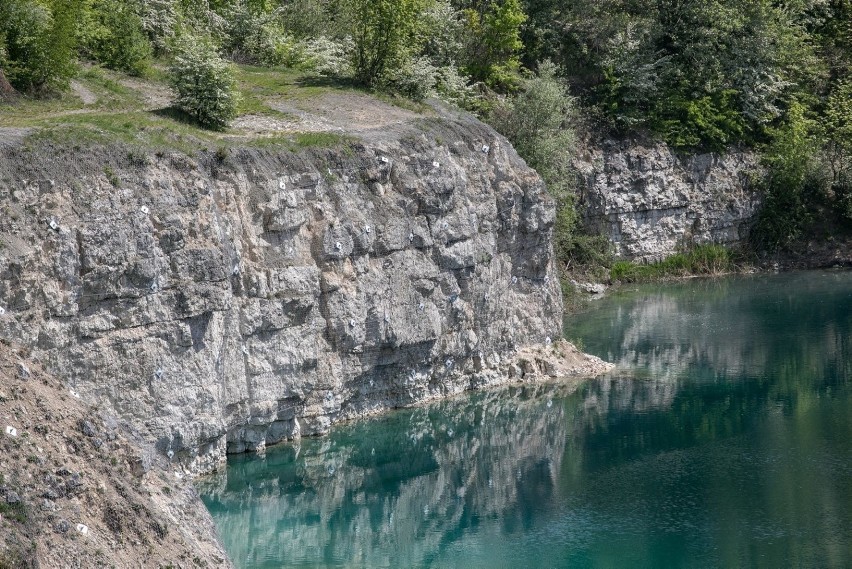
(39,44)
(494,42)
(443,33)
(385,34)
(7,92)
(791,184)
(254,35)
(837,133)
(699,73)
(831,30)
(113,35)
(538,123)
(317,18)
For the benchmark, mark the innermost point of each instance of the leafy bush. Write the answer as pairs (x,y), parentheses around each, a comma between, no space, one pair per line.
(709,121)
(539,121)
(452,86)
(39,44)
(255,38)
(443,33)
(324,55)
(317,18)
(115,37)
(837,157)
(791,183)
(493,43)
(204,83)
(385,33)
(415,78)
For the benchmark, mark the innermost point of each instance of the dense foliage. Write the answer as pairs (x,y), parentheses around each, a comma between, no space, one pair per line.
(113,35)
(768,74)
(771,75)
(37,54)
(203,82)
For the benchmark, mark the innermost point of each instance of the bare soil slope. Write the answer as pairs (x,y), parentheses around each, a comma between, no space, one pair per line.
(79,491)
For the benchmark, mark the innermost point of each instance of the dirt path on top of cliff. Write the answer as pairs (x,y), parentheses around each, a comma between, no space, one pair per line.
(341,112)
(275,103)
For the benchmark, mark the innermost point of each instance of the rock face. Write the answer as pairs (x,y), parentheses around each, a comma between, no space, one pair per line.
(650,202)
(81,491)
(222,303)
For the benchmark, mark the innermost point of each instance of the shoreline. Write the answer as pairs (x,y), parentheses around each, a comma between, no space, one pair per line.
(560,363)
(816,257)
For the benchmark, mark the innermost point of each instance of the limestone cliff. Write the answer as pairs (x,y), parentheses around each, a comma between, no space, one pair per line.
(228,300)
(650,201)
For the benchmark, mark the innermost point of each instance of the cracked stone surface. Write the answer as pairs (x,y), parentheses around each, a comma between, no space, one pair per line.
(222,305)
(651,202)
(81,490)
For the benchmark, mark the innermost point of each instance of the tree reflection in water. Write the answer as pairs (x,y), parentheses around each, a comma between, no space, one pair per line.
(722,439)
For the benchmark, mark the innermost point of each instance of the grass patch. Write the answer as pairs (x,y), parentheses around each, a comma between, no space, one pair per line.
(700,260)
(16,512)
(402,102)
(98,79)
(110,95)
(302,140)
(21,111)
(139,128)
(259,85)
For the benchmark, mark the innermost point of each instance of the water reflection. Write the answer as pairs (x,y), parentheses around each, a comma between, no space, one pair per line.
(394,492)
(724,327)
(724,439)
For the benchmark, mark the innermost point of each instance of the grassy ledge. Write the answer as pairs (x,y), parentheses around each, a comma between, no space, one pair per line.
(701,260)
(106,106)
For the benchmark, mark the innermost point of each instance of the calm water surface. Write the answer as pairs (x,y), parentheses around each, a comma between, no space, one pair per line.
(724,438)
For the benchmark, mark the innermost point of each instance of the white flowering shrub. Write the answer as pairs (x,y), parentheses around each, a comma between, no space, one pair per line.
(452,86)
(160,21)
(325,55)
(444,32)
(415,78)
(203,82)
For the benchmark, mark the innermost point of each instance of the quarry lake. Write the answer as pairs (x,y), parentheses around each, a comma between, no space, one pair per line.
(723,438)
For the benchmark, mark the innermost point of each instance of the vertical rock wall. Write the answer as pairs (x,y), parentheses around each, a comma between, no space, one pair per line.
(651,202)
(224,304)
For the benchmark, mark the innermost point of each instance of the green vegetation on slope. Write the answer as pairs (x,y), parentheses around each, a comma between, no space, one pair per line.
(775,76)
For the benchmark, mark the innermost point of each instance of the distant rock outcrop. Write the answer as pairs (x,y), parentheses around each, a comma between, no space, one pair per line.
(651,202)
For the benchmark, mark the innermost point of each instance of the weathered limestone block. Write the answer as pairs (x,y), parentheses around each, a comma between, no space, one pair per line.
(651,202)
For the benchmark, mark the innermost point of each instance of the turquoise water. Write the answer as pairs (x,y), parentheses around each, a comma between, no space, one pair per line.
(723,438)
